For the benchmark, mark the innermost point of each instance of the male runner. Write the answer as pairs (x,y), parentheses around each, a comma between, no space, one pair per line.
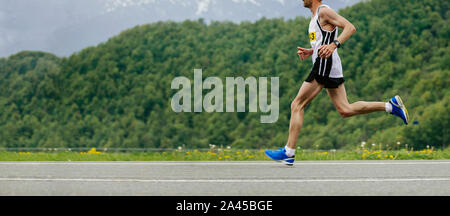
(327,73)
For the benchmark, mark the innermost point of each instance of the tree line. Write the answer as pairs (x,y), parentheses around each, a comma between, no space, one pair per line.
(117,94)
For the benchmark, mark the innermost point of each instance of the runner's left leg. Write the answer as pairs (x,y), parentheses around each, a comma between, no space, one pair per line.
(339,98)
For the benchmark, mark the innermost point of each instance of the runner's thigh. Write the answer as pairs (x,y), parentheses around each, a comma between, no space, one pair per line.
(339,97)
(307,93)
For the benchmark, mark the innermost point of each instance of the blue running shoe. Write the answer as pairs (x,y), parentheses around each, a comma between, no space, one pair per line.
(280,156)
(399,109)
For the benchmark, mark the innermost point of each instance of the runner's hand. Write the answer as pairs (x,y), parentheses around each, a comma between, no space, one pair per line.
(304,53)
(325,51)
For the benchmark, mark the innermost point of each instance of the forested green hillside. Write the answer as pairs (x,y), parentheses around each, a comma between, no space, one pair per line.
(118,93)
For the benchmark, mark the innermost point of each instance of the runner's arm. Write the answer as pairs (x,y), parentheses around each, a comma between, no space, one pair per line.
(304,53)
(330,16)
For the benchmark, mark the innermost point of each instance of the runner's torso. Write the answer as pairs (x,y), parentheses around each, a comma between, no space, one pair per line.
(330,67)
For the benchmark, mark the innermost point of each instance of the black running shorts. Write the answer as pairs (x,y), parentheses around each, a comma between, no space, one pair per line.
(328,82)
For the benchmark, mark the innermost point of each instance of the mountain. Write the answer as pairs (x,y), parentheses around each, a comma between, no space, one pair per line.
(118,93)
(65,26)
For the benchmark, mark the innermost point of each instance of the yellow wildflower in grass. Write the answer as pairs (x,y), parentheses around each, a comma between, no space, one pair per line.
(196,151)
(325,153)
(238,152)
(261,150)
(93,151)
(379,155)
(220,158)
(212,153)
(391,156)
(226,157)
(251,156)
(246,151)
(364,155)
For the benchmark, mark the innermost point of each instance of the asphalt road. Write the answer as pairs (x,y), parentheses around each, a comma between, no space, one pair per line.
(226,178)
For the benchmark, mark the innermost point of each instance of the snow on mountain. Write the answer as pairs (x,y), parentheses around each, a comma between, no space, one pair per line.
(65,26)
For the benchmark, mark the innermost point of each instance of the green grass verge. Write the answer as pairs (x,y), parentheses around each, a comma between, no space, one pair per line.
(227,155)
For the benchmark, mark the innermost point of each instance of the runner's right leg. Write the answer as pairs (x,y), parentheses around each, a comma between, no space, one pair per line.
(306,94)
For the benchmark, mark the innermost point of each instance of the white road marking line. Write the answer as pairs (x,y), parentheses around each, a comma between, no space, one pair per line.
(225,180)
(202,163)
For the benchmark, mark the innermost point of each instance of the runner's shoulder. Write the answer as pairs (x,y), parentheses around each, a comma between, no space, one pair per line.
(326,12)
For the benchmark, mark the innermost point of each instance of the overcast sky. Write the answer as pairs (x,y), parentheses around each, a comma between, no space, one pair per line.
(63,27)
